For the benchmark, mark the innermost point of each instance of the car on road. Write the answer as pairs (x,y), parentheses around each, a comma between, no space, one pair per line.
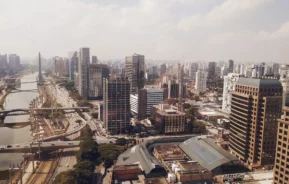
(2,148)
(52,144)
(9,146)
(70,143)
(17,145)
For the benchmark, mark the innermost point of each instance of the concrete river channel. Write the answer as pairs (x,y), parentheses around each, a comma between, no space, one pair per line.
(17,135)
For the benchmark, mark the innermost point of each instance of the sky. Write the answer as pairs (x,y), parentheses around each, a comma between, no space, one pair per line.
(191,30)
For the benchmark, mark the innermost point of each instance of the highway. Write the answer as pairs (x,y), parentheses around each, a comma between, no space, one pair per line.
(62,97)
(34,146)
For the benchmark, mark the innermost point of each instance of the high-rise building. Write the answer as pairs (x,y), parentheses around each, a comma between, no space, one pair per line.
(153,71)
(276,69)
(256,105)
(281,168)
(201,81)
(3,61)
(96,74)
(242,69)
(181,86)
(94,59)
(193,70)
(224,71)
(173,89)
(135,71)
(61,67)
(14,61)
(73,65)
(231,66)
(116,112)
(163,69)
(148,97)
(284,70)
(285,84)
(211,70)
(83,62)
(229,87)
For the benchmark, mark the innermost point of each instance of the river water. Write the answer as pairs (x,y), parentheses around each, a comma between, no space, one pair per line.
(13,136)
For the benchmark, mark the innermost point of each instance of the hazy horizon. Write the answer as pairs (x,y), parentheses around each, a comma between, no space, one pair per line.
(207,30)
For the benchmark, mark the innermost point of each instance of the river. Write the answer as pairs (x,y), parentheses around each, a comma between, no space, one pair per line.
(13,136)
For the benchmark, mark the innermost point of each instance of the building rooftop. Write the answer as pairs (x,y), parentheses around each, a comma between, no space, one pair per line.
(191,167)
(166,109)
(254,82)
(169,151)
(206,152)
(160,180)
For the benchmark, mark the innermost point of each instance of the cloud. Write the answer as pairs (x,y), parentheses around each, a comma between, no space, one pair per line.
(229,10)
(161,29)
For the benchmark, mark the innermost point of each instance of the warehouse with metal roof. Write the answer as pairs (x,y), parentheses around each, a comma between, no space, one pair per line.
(209,154)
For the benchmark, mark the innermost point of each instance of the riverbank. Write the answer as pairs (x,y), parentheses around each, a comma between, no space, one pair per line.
(2,98)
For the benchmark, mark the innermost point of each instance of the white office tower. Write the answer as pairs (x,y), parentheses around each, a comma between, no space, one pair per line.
(285,84)
(201,81)
(284,70)
(248,73)
(84,60)
(254,72)
(276,69)
(224,71)
(193,69)
(229,87)
(242,69)
(238,68)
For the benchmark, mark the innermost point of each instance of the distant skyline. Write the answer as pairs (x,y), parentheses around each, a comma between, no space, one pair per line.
(244,30)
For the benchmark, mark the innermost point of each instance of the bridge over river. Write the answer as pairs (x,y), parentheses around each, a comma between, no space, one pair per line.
(27,111)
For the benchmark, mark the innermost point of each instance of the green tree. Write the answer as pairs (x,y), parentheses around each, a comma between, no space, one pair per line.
(199,127)
(66,177)
(191,112)
(83,176)
(84,165)
(108,153)
(88,150)
(121,141)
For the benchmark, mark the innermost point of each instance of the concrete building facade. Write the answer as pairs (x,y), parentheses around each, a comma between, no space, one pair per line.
(255,108)
(94,60)
(163,69)
(193,70)
(14,61)
(167,119)
(135,71)
(211,70)
(231,66)
(229,87)
(201,81)
(147,98)
(3,61)
(116,106)
(281,168)
(285,84)
(96,74)
(83,62)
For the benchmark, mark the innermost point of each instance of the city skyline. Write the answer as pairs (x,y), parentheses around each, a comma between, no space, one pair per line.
(177,30)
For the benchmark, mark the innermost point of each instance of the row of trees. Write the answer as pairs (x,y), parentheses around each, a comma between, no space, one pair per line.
(89,155)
